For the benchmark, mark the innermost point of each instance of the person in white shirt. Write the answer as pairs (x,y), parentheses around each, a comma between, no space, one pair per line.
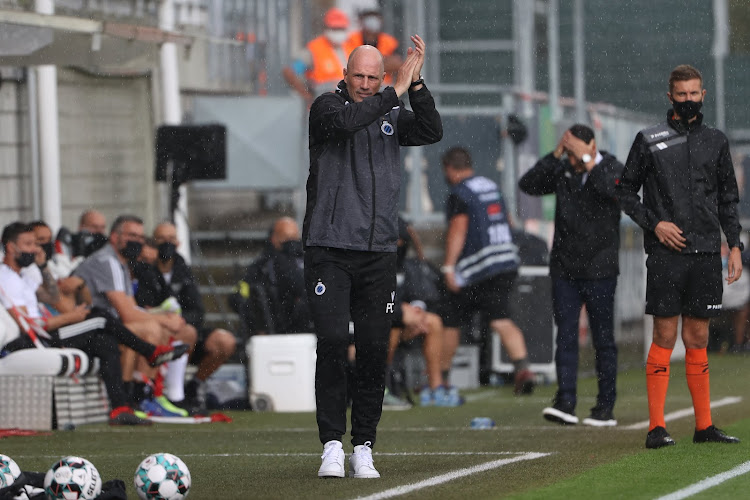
(95,334)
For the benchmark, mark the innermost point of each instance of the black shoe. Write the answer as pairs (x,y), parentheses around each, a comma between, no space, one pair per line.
(658,437)
(600,417)
(193,407)
(127,417)
(713,435)
(165,353)
(524,382)
(191,389)
(193,402)
(561,413)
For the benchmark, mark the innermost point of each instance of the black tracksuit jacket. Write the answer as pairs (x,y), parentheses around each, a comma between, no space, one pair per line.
(587,217)
(355,166)
(153,289)
(688,179)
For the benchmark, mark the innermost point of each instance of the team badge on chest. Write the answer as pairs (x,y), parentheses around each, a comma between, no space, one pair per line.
(386,128)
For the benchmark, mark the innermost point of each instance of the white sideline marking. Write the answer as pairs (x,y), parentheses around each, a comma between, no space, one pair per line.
(707,483)
(450,476)
(471,398)
(685,412)
(467,428)
(274,455)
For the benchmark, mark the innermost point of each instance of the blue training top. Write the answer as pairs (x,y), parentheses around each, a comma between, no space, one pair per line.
(489,248)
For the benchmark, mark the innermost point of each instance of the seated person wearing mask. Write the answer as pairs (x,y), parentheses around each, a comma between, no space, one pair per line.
(108,277)
(92,331)
(170,276)
(417,295)
(271,298)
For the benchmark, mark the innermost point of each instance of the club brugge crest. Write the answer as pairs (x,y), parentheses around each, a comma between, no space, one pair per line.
(386,128)
(320,288)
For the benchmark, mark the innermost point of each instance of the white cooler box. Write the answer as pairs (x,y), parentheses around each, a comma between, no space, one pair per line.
(282,372)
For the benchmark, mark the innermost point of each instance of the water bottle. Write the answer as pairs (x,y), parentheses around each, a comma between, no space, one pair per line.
(482,423)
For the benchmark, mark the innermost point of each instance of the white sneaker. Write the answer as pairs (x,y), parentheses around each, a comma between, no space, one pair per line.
(333,460)
(360,463)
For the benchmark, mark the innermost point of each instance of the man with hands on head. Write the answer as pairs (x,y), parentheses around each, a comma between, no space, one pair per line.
(350,233)
(583,264)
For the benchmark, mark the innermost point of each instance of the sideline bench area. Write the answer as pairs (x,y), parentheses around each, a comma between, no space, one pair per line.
(45,389)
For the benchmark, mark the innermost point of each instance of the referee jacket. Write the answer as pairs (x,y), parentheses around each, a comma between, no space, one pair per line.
(355,166)
(587,216)
(688,179)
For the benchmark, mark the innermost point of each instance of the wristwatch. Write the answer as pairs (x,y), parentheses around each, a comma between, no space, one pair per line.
(586,158)
(417,82)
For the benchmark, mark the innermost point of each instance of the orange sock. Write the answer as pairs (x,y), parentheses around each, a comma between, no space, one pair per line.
(696,370)
(657,382)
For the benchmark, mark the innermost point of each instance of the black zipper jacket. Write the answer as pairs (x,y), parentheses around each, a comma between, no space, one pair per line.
(153,289)
(355,166)
(688,179)
(587,217)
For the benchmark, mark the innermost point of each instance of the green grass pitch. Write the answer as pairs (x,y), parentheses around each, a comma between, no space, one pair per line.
(273,455)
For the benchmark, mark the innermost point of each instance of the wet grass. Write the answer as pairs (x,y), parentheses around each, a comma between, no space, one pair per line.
(266,455)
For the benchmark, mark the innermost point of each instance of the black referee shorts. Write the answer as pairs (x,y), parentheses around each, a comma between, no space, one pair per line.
(684,284)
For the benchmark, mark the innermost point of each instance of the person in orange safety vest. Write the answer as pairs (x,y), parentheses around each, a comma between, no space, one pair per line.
(371,22)
(323,61)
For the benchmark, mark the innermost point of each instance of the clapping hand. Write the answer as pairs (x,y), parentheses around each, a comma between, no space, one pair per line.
(411,69)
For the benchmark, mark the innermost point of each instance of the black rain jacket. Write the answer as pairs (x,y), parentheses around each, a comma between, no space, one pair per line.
(153,289)
(587,217)
(355,166)
(688,179)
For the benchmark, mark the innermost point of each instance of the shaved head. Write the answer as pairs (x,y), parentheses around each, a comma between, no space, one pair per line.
(364,72)
(284,229)
(92,221)
(166,232)
(368,52)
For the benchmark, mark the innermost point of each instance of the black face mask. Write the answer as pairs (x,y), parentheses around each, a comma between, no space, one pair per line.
(292,248)
(167,251)
(92,242)
(687,110)
(25,259)
(132,250)
(49,249)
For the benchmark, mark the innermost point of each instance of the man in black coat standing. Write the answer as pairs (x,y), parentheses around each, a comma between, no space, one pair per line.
(583,264)
(350,233)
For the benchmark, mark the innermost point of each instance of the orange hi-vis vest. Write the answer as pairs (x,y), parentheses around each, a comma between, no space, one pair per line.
(386,44)
(326,65)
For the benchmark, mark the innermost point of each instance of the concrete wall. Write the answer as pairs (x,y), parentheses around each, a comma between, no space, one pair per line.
(106,146)
(15,188)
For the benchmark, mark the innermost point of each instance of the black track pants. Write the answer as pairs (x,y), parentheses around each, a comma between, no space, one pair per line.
(97,344)
(344,284)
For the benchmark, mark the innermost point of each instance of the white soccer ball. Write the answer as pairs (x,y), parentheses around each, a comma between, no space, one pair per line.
(9,471)
(162,476)
(72,478)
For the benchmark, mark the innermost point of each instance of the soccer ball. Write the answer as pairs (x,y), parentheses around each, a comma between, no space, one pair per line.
(72,478)
(162,476)
(9,471)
